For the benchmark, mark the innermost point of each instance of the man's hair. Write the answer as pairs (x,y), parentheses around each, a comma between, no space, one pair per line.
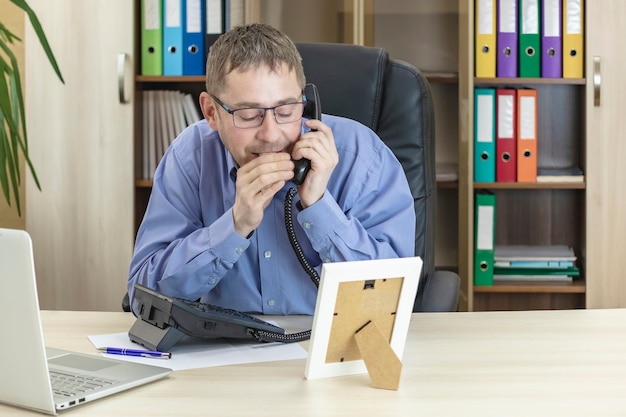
(249,46)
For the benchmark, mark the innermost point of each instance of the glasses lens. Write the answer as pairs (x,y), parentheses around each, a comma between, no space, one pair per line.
(253,117)
(246,118)
(288,113)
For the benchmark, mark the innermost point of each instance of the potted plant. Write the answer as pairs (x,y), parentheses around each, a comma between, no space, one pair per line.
(13,137)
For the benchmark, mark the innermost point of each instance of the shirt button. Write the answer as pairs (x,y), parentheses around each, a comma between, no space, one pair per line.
(239,251)
(212,281)
(306,225)
(271,303)
(267,254)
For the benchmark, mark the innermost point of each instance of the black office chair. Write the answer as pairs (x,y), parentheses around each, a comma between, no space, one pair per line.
(393,98)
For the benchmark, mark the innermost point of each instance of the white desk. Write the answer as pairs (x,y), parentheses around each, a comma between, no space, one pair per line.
(552,363)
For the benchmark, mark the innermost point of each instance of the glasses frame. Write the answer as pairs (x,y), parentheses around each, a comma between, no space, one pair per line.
(265,109)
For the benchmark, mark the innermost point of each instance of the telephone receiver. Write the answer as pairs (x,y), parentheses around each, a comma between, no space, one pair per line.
(312,110)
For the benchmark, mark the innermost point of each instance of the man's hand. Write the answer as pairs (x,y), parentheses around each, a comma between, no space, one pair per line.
(257,182)
(318,146)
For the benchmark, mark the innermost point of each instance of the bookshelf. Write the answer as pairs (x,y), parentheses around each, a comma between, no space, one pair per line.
(526,213)
(548,213)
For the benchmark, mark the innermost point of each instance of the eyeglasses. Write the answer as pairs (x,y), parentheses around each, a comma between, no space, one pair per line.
(250,117)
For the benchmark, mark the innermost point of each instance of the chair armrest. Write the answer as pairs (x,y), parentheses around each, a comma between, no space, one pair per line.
(440,294)
(126,303)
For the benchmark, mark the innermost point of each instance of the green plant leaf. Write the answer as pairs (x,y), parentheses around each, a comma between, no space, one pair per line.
(7,73)
(12,168)
(12,106)
(10,173)
(34,21)
(13,135)
(19,114)
(6,35)
(4,179)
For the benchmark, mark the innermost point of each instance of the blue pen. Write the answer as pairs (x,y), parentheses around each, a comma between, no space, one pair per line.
(136,352)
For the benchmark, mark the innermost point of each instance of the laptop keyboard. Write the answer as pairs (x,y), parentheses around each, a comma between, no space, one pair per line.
(68,385)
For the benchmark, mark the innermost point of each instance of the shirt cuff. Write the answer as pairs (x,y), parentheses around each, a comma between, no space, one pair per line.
(321,220)
(227,244)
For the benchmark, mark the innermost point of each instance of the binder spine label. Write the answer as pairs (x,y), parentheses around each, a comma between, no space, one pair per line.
(485,121)
(194,16)
(485,18)
(508,17)
(152,16)
(530,20)
(484,238)
(573,20)
(527,113)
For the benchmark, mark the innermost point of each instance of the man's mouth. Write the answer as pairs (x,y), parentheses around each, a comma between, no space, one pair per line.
(264,153)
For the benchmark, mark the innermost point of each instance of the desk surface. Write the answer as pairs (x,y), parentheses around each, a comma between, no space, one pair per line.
(537,363)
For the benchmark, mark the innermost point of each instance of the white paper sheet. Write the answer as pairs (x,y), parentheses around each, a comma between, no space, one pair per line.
(197,353)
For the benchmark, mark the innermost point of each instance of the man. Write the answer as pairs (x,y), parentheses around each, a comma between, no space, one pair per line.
(214,227)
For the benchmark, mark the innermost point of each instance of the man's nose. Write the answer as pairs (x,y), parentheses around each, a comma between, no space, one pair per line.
(269,127)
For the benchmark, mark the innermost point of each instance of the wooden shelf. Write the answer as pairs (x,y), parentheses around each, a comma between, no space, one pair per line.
(169,79)
(530,185)
(448,184)
(431,76)
(577,286)
(143,183)
(526,81)
(442,77)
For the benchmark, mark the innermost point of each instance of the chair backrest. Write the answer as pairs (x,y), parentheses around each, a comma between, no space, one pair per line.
(394,99)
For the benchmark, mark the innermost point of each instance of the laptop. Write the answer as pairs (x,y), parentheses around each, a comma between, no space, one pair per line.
(29,370)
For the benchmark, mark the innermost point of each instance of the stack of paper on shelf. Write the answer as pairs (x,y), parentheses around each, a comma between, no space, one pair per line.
(534,263)
(165,114)
(568,174)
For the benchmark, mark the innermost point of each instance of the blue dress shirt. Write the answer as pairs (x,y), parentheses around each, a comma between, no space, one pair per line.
(187,245)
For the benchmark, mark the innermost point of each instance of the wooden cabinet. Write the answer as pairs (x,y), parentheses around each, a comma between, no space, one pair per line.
(81,144)
(571,129)
(526,213)
(605,128)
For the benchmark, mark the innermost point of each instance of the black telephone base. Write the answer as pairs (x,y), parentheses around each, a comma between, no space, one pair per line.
(154,338)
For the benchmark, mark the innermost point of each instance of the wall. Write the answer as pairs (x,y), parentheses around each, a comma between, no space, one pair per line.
(13,19)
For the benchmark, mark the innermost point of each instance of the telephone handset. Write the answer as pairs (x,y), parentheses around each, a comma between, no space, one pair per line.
(312,110)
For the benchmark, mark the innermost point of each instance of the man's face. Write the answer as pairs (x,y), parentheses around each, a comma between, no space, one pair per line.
(259,87)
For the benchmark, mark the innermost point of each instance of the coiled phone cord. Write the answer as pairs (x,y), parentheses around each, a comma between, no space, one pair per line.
(265,336)
(291,233)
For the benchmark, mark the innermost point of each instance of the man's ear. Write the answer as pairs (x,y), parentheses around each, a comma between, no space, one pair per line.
(209,111)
